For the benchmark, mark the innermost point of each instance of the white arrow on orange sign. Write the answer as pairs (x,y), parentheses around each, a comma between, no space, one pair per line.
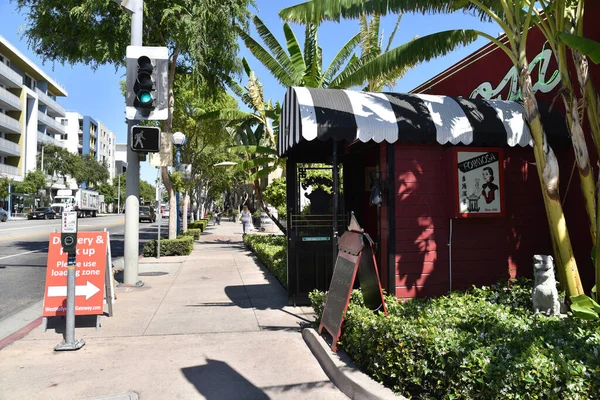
(87,290)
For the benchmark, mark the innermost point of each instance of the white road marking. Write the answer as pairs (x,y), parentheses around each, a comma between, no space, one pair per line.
(20,254)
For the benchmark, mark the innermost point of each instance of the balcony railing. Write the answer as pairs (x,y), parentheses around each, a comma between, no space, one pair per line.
(12,172)
(54,109)
(9,124)
(9,100)
(52,124)
(9,77)
(43,138)
(8,147)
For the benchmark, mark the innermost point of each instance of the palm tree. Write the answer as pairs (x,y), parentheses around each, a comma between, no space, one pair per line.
(253,134)
(515,18)
(297,68)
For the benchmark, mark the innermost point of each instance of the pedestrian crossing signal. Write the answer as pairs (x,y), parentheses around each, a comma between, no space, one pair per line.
(145,139)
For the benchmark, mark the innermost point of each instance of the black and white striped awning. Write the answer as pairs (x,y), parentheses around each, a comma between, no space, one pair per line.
(337,114)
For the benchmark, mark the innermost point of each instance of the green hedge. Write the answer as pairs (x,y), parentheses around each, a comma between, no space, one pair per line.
(271,250)
(200,224)
(194,232)
(182,246)
(481,344)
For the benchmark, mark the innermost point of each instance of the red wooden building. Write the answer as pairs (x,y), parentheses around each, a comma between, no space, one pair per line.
(443,224)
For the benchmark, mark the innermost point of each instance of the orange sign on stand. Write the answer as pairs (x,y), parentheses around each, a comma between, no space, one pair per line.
(90,270)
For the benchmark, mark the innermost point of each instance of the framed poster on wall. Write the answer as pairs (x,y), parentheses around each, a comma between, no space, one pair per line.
(478,182)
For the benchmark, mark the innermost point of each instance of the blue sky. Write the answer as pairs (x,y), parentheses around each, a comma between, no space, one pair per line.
(106,104)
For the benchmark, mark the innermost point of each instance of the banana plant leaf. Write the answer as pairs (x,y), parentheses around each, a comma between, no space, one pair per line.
(585,46)
(584,307)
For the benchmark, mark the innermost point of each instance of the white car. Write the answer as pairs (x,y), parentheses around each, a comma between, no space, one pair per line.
(165,213)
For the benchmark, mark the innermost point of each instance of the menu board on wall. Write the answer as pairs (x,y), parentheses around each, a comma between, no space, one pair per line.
(479,182)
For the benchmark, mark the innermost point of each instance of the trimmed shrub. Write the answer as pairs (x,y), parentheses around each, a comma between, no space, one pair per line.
(182,246)
(201,224)
(195,233)
(271,250)
(481,344)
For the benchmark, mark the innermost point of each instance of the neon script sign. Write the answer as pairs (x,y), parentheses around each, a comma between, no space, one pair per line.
(542,61)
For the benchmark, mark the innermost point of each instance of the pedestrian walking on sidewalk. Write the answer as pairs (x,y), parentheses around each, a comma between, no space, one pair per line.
(246,218)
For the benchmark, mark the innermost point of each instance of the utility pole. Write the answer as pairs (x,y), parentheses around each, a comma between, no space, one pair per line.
(132,191)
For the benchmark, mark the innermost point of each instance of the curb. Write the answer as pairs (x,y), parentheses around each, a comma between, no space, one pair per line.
(343,373)
(21,333)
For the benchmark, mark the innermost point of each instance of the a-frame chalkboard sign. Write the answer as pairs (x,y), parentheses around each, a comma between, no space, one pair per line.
(355,255)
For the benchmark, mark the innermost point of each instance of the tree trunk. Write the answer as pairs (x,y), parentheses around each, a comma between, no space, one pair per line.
(548,172)
(184,220)
(586,173)
(264,207)
(172,203)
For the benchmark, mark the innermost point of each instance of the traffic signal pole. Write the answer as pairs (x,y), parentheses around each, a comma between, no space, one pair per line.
(132,193)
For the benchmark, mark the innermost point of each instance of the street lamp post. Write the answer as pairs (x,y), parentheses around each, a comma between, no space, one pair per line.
(178,141)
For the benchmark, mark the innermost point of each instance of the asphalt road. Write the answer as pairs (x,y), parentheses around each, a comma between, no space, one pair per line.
(24,253)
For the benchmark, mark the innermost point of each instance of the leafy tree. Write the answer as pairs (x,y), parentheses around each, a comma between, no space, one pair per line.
(5,181)
(147,191)
(33,182)
(58,161)
(108,190)
(275,195)
(90,171)
(205,139)
(200,36)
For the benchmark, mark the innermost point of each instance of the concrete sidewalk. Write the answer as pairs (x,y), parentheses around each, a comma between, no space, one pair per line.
(211,325)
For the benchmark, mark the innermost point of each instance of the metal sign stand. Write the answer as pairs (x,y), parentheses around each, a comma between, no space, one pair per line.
(69,243)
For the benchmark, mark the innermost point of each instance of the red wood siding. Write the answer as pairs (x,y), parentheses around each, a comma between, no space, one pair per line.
(421,221)
(383,218)
(484,250)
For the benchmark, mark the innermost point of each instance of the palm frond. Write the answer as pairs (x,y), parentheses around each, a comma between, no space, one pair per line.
(264,172)
(408,54)
(273,44)
(313,56)
(235,87)
(353,64)
(254,163)
(265,58)
(252,150)
(246,67)
(226,115)
(295,54)
(317,11)
(341,57)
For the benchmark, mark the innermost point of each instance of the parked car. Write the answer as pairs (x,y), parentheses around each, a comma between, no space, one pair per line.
(3,215)
(147,214)
(42,213)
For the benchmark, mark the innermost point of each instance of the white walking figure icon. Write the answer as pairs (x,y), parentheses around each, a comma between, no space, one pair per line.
(138,140)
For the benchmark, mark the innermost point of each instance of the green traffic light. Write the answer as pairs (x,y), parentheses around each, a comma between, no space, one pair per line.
(145,97)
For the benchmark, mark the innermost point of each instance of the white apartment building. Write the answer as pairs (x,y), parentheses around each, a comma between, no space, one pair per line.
(28,112)
(85,135)
(107,148)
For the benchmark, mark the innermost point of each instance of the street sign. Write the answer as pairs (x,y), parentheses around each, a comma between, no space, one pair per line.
(145,139)
(90,275)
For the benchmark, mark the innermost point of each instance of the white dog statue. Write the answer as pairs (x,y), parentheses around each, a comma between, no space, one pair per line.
(545,295)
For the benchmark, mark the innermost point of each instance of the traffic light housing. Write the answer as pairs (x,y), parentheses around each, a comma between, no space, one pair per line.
(147,83)
(145,139)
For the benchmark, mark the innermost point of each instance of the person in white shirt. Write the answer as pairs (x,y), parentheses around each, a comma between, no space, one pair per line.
(246,218)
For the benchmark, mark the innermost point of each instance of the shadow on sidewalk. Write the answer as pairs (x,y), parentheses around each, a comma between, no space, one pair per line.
(216,380)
